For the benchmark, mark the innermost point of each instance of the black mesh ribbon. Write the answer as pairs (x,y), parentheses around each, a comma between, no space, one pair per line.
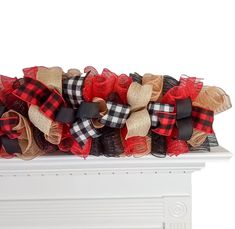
(111,141)
(158,145)
(168,83)
(136,77)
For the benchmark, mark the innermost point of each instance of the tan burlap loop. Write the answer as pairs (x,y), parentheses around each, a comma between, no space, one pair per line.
(213,98)
(138,97)
(102,109)
(197,138)
(157,82)
(52,77)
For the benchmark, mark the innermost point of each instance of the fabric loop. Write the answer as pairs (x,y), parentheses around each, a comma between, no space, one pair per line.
(72,89)
(184,118)
(116,115)
(154,108)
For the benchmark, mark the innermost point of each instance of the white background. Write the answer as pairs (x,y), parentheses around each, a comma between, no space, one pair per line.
(166,37)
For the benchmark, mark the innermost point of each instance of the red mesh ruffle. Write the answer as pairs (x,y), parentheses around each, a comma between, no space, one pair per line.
(103,84)
(69,144)
(31,72)
(121,87)
(6,86)
(188,87)
(176,147)
(133,145)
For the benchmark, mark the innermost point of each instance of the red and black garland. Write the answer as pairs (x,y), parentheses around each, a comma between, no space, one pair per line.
(107,114)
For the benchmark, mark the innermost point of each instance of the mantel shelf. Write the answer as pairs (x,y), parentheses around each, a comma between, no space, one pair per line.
(68,163)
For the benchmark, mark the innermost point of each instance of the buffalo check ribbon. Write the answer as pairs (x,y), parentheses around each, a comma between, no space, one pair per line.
(116,116)
(8,137)
(72,89)
(82,130)
(80,119)
(185,119)
(36,93)
(155,108)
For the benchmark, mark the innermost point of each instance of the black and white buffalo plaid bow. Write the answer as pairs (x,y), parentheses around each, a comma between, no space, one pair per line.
(84,112)
(72,89)
(82,126)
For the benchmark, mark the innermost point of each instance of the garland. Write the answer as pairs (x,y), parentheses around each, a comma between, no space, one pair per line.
(89,113)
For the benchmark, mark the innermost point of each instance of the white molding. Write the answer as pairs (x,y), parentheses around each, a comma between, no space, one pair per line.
(68,192)
(68,164)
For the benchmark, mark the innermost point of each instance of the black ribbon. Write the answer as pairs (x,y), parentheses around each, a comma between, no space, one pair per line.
(184,118)
(11,146)
(86,110)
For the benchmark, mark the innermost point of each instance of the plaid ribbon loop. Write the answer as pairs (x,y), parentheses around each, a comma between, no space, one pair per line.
(36,93)
(155,108)
(8,137)
(72,89)
(203,119)
(116,116)
(7,125)
(82,130)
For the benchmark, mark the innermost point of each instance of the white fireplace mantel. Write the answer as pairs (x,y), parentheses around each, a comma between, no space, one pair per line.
(67,192)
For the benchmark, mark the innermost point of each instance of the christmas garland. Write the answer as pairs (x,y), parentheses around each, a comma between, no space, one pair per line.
(89,113)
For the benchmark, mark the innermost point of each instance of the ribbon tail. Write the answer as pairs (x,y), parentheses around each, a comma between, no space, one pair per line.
(82,130)
(11,146)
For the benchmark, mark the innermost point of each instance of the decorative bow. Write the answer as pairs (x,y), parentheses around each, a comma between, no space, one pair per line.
(8,137)
(84,114)
(36,93)
(186,118)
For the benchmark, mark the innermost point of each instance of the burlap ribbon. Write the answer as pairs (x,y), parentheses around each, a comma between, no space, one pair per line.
(139,122)
(157,85)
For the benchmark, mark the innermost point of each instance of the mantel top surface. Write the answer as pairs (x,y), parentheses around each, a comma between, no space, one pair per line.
(216,153)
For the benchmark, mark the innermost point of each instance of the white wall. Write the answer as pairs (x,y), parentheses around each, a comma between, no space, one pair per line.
(166,37)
